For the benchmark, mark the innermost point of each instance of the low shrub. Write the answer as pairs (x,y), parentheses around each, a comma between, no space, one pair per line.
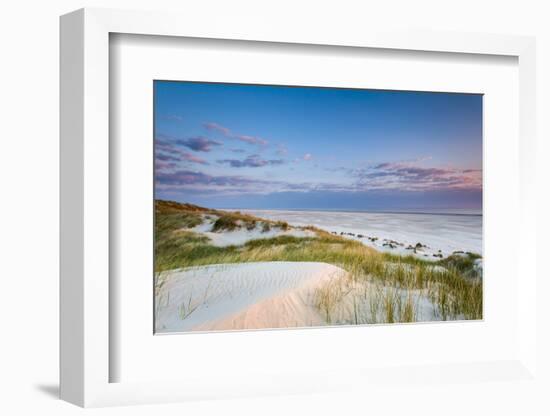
(225,222)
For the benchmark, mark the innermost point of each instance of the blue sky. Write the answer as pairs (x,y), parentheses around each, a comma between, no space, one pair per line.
(252,146)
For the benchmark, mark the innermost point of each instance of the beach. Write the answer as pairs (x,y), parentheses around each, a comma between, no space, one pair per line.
(443,233)
(239,270)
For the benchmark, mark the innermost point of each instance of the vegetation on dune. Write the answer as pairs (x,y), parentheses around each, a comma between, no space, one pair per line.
(186,248)
(463,263)
(225,222)
(171,207)
(190,215)
(166,224)
(282,225)
(381,287)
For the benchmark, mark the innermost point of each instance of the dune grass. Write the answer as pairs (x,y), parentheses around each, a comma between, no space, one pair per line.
(225,223)
(379,287)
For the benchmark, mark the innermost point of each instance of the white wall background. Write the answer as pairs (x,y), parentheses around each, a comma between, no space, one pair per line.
(29,205)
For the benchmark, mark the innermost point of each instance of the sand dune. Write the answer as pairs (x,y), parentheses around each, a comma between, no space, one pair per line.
(241,296)
(242,235)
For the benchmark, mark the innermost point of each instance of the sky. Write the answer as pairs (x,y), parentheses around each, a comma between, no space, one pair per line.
(277,147)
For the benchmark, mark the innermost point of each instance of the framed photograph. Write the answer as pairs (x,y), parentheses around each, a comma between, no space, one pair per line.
(245,213)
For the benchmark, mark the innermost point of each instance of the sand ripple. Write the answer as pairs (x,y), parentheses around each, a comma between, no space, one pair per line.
(241,296)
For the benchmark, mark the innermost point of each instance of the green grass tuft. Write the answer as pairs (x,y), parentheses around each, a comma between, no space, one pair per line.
(225,223)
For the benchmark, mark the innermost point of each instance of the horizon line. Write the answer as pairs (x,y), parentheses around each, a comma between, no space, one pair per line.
(373,211)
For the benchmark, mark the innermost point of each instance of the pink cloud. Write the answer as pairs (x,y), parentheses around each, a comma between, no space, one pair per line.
(216,127)
(195,159)
(251,140)
(413,177)
(225,131)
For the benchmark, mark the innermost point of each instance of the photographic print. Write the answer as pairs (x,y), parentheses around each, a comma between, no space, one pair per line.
(292,207)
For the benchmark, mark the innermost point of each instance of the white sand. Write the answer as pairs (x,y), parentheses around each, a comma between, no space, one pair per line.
(242,296)
(275,295)
(242,235)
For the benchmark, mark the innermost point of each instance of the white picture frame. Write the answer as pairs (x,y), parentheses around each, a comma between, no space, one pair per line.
(86,356)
